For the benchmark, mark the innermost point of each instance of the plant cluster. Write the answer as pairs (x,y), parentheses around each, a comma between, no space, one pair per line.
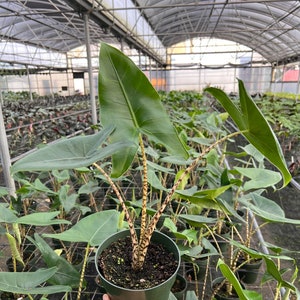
(29,125)
(152,170)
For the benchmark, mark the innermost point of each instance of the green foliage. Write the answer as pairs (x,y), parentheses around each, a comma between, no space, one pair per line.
(130,109)
(66,273)
(16,282)
(243,294)
(92,229)
(254,127)
(76,152)
(129,102)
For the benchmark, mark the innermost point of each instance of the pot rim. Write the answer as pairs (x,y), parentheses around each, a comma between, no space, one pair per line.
(138,290)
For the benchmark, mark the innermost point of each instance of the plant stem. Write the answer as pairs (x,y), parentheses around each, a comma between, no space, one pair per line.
(145,190)
(133,235)
(144,243)
(87,249)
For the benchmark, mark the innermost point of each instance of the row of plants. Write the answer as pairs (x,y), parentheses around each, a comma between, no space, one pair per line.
(11,97)
(160,181)
(29,125)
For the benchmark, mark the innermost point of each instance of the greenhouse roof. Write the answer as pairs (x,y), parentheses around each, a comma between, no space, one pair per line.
(269,27)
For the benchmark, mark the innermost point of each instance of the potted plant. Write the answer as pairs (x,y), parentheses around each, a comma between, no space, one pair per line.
(131,117)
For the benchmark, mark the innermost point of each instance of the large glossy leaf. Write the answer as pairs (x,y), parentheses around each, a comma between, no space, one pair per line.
(255,127)
(80,151)
(131,104)
(27,283)
(92,229)
(66,273)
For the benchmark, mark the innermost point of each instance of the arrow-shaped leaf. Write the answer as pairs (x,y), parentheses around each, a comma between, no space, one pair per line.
(254,126)
(76,152)
(131,104)
(92,229)
(27,283)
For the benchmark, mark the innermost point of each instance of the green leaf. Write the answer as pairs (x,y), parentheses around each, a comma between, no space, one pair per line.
(61,176)
(196,220)
(42,219)
(27,283)
(267,209)
(259,178)
(131,104)
(92,229)
(154,181)
(14,248)
(229,275)
(205,198)
(191,295)
(251,150)
(3,191)
(80,151)
(67,200)
(257,254)
(66,273)
(6,214)
(254,126)
(272,269)
(90,187)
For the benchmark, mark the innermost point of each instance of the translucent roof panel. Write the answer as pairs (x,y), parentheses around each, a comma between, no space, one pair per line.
(271,28)
(44,25)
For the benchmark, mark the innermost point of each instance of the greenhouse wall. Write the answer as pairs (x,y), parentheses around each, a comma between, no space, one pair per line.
(41,84)
(287,87)
(256,79)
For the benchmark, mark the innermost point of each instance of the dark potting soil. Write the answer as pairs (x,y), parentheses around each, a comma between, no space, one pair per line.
(115,263)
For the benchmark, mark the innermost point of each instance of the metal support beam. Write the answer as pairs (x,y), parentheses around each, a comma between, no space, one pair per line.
(29,83)
(90,69)
(5,158)
(51,85)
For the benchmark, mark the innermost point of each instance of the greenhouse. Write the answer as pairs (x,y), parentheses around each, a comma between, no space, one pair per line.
(149,150)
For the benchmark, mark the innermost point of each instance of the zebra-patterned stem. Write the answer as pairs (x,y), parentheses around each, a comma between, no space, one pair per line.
(133,235)
(144,243)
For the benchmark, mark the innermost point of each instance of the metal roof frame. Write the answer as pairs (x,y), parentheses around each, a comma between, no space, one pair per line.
(269,27)
(263,26)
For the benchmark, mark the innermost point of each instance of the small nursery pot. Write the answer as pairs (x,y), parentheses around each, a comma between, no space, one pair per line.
(179,287)
(248,273)
(161,291)
(221,294)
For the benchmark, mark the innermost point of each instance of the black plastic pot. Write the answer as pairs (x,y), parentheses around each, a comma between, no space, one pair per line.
(179,287)
(248,273)
(221,294)
(197,270)
(160,292)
